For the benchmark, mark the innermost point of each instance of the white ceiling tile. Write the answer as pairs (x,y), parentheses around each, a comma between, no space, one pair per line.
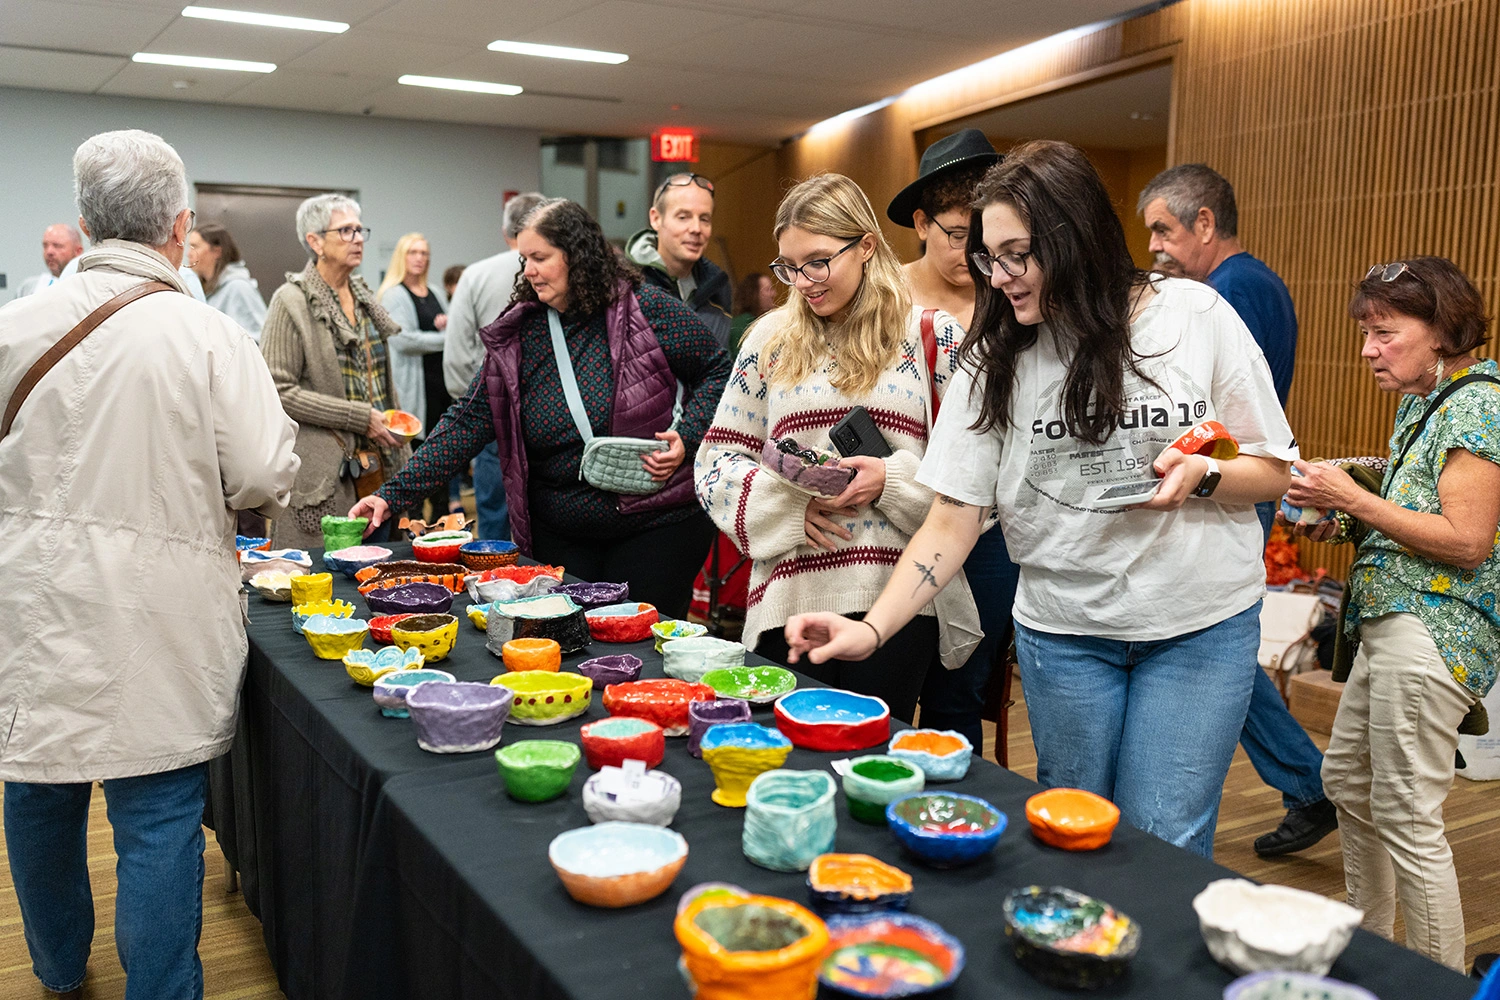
(142,80)
(472,22)
(311,91)
(635,28)
(385,54)
(56,71)
(100,28)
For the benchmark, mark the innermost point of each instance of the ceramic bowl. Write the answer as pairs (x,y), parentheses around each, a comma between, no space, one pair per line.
(736,945)
(380,626)
(1072,819)
(486,592)
(873,782)
(532,654)
(833,721)
(458,717)
(487,553)
(332,638)
(537,770)
(617,864)
(333,609)
(403,425)
(789,819)
(550,616)
(343,532)
(653,799)
(395,572)
(1257,928)
(310,588)
(247,543)
(522,574)
(612,741)
(628,622)
(440,546)
(595,594)
(390,690)
(703,714)
(434,635)
(738,753)
(945,829)
(414,598)
(856,883)
(355,558)
(889,955)
(457,521)
(479,615)
(1068,940)
(942,754)
(689,659)
(671,628)
(619,668)
(1293,986)
(257,561)
(757,685)
(663,701)
(543,698)
(274,586)
(366,666)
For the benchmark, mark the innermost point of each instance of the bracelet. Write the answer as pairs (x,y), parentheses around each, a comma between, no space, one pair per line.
(879,639)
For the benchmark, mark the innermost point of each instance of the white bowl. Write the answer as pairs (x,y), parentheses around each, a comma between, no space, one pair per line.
(1256,928)
(656,801)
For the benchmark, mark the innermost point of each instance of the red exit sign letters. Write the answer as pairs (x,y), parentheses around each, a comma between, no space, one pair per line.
(674,146)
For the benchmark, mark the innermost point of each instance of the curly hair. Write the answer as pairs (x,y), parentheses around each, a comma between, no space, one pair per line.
(595,268)
(955,189)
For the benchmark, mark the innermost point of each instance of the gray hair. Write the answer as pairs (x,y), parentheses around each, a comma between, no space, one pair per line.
(314,214)
(516,211)
(131,185)
(1190,187)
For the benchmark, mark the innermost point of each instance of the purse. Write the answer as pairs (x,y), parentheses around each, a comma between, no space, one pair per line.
(612,464)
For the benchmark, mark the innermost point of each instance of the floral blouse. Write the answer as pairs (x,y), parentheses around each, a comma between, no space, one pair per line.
(1457,605)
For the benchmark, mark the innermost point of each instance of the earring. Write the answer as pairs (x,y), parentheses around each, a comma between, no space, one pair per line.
(180,243)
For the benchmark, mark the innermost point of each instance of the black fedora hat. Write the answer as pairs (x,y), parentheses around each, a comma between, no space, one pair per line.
(960,149)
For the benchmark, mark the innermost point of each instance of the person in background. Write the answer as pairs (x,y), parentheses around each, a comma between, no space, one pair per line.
(60,244)
(1421,609)
(670,253)
(216,260)
(144,439)
(1194,223)
(451,274)
(753,296)
(325,341)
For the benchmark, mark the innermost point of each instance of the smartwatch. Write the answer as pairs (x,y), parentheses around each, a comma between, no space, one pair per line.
(1210,480)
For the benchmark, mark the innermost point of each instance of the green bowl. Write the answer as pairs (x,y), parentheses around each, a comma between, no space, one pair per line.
(758,685)
(537,770)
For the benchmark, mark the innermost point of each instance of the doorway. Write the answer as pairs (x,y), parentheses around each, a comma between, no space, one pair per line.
(263,222)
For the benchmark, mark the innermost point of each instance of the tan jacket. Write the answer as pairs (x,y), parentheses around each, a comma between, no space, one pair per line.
(124,642)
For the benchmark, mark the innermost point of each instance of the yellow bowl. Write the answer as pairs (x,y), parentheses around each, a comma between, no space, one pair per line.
(434,635)
(334,638)
(309,589)
(366,666)
(544,698)
(479,615)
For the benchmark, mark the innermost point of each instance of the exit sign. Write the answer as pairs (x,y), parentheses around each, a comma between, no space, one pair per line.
(674,146)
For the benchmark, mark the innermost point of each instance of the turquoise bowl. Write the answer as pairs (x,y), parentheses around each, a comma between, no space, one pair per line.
(789,819)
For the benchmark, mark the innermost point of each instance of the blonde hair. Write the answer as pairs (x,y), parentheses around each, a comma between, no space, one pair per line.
(396,273)
(871,333)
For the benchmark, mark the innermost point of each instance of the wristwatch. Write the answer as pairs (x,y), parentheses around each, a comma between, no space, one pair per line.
(1210,480)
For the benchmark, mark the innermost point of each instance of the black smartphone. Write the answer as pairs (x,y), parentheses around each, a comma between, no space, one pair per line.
(857,434)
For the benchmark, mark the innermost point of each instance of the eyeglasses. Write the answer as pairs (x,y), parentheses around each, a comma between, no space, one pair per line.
(814,270)
(1390,272)
(1013,264)
(957,238)
(683,180)
(349,232)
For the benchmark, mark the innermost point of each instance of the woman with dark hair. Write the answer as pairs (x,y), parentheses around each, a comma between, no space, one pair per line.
(1422,596)
(754,296)
(632,355)
(227,285)
(1136,627)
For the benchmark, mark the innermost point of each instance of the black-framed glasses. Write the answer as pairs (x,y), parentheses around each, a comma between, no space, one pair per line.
(814,270)
(957,238)
(1390,272)
(683,180)
(1013,264)
(347,233)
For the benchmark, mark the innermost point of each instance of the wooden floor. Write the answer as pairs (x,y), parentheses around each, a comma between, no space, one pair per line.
(235,966)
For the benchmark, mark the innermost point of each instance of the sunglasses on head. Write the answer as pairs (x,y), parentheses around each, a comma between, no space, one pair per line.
(683,180)
(1390,272)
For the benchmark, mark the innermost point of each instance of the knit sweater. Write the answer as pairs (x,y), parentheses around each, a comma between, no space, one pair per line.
(763,514)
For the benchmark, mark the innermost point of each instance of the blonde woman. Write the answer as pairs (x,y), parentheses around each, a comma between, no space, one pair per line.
(848,336)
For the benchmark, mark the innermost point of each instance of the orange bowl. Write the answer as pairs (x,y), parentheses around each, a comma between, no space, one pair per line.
(1072,819)
(532,654)
(404,425)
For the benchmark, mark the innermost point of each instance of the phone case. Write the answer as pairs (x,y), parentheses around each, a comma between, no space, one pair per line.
(857,434)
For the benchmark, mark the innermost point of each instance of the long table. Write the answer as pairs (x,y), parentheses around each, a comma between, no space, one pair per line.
(379,870)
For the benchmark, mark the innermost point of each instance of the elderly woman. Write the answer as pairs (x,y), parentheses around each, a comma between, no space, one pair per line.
(215,259)
(1422,595)
(326,343)
(628,348)
(118,481)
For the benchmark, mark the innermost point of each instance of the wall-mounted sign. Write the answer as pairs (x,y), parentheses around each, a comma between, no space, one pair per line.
(674,145)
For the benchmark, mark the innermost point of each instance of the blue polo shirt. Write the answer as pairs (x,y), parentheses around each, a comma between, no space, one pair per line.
(1261,299)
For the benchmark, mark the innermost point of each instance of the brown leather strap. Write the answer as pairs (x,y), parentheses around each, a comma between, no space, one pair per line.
(73,339)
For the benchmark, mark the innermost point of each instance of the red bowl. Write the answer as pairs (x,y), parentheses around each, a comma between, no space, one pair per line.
(622,627)
(443,547)
(615,740)
(520,574)
(380,627)
(663,701)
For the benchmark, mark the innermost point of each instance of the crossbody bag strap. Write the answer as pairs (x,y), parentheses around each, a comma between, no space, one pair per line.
(72,339)
(1432,408)
(929,348)
(569,380)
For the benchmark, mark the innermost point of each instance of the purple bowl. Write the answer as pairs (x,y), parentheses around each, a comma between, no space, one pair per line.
(702,714)
(595,595)
(605,670)
(460,717)
(416,598)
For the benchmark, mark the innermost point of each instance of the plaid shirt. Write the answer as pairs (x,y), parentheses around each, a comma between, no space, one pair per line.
(358,379)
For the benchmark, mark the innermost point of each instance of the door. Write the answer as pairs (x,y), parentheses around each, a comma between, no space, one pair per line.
(263,222)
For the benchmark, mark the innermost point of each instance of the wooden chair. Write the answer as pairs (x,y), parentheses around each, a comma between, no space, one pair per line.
(997,697)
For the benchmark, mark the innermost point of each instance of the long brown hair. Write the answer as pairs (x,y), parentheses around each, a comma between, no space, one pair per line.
(216,235)
(595,270)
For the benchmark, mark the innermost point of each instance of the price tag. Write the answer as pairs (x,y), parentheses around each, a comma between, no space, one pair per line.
(841,767)
(627,783)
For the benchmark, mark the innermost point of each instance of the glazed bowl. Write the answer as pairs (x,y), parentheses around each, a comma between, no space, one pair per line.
(873,782)
(274,586)
(390,690)
(945,829)
(1257,928)
(481,554)
(479,615)
(413,598)
(689,659)
(332,638)
(618,668)
(380,626)
(258,561)
(1072,819)
(592,595)
(628,622)
(832,720)
(522,574)
(789,819)
(671,628)
(434,635)
(889,955)
(440,546)
(333,609)
(549,616)
(458,717)
(612,741)
(704,714)
(806,469)
(738,753)
(248,543)
(532,654)
(395,572)
(403,425)
(343,532)
(1293,986)
(757,685)
(856,883)
(611,796)
(663,701)
(1068,940)
(366,666)
(544,698)
(488,592)
(310,588)
(617,864)
(736,945)
(355,558)
(942,754)
(537,770)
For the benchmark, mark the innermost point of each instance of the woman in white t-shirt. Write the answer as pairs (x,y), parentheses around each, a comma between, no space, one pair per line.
(1136,627)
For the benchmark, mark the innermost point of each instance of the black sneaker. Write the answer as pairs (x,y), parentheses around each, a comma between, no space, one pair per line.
(1483,964)
(1299,830)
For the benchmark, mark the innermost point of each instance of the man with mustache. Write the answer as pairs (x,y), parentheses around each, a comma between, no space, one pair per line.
(670,253)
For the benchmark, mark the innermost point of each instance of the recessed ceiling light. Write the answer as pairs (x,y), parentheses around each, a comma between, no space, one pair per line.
(202,62)
(557,52)
(474,86)
(265,20)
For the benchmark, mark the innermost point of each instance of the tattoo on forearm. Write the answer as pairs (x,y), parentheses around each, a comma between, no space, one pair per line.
(950,501)
(928,575)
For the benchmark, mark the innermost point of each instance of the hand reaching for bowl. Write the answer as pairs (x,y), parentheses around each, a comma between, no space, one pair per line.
(373,507)
(377,431)
(822,636)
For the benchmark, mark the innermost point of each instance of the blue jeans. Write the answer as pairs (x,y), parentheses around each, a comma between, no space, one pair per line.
(489,494)
(157,820)
(1149,725)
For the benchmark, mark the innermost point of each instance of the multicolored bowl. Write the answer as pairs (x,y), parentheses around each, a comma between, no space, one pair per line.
(416,598)
(757,685)
(945,829)
(832,720)
(738,753)
(258,561)
(856,883)
(537,770)
(543,698)
(333,638)
(434,635)
(1068,940)
(628,622)
(702,715)
(612,741)
(595,594)
(333,609)
(618,668)
(942,754)
(380,626)
(366,666)
(671,628)
(653,799)
(875,781)
(390,690)
(403,425)
(532,654)
(889,955)
(274,585)
(458,717)
(398,571)
(440,546)
(737,946)
(663,701)
(617,864)
(1072,819)
(247,543)
(487,553)
(355,558)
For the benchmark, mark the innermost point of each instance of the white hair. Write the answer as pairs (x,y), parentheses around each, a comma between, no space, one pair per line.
(314,214)
(131,185)
(516,211)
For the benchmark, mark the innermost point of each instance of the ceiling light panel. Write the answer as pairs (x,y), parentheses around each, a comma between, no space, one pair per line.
(472,86)
(203,62)
(557,52)
(265,20)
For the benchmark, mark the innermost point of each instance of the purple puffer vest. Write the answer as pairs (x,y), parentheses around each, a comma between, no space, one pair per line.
(645,391)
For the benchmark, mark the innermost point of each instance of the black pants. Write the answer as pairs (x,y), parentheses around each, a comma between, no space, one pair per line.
(894,672)
(659,564)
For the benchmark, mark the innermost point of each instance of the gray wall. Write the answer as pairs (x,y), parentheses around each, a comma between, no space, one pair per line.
(444,180)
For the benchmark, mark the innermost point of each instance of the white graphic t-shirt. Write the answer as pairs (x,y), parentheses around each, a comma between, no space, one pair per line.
(1136,575)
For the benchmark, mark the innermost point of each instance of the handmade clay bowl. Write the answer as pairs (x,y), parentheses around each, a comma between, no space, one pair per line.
(521,574)
(1293,986)
(628,622)
(1257,928)
(274,586)
(738,753)
(434,635)
(332,638)
(618,668)
(403,425)
(856,883)
(1068,940)
(831,720)
(663,701)
(390,690)
(333,609)
(703,714)
(889,955)
(671,628)
(595,594)
(689,659)
(544,698)
(479,616)
(380,626)
(532,654)
(942,754)
(458,717)
(789,819)
(257,561)
(654,799)
(355,558)
(343,532)
(457,521)
(612,741)
(550,616)
(486,592)
(396,572)
(809,470)
(737,946)
(366,666)
(310,588)
(1072,819)
(487,553)
(440,546)
(246,543)
(758,685)
(871,783)
(945,829)
(537,770)
(413,598)
(617,864)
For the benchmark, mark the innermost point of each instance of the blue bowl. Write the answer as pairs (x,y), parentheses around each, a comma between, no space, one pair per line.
(945,829)
(355,558)
(244,543)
